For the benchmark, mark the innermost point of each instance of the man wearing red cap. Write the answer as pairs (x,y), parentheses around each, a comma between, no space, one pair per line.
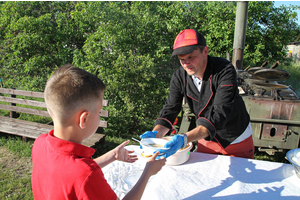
(209,85)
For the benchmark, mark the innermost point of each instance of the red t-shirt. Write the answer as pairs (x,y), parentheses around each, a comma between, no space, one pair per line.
(66,170)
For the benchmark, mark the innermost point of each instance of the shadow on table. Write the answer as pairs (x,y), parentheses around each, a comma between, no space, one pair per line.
(249,175)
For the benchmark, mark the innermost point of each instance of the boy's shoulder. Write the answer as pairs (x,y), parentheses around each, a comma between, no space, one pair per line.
(47,145)
(39,140)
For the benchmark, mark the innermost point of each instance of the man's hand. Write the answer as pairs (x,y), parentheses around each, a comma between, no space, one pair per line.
(123,154)
(149,134)
(174,145)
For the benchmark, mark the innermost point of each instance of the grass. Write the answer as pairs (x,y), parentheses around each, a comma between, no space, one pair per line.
(17,146)
(15,168)
(15,154)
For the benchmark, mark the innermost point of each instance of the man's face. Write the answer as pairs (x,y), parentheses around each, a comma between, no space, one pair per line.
(195,62)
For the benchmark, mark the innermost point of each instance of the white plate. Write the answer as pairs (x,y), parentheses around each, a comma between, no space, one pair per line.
(150,145)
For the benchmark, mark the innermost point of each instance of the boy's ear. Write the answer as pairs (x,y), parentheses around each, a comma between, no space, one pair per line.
(83,119)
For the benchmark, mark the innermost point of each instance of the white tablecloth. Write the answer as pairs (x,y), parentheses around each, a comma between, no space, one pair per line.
(208,176)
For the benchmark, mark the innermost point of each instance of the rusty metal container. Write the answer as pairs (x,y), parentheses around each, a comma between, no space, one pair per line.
(274,109)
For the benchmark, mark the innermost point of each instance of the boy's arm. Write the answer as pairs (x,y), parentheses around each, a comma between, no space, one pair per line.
(118,153)
(151,168)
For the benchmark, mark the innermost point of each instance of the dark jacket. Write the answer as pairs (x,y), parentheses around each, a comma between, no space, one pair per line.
(218,106)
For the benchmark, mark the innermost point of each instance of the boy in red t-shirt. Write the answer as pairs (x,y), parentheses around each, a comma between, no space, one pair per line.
(62,167)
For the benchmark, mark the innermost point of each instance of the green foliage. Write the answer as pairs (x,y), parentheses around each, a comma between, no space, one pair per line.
(128,45)
(132,64)
(36,37)
(269,30)
(293,80)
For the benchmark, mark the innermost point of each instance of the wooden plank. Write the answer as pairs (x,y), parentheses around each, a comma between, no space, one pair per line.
(35,134)
(104,102)
(38,112)
(24,123)
(104,113)
(41,104)
(103,124)
(94,139)
(22,93)
(25,110)
(18,123)
(43,113)
(24,133)
(33,129)
(33,94)
(23,101)
(30,131)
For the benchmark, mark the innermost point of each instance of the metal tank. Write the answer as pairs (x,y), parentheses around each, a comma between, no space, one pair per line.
(274,108)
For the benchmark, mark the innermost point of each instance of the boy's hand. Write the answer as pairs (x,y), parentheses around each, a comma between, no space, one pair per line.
(153,166)
(123,154)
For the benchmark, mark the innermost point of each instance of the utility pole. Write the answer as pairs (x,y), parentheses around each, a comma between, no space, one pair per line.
(240,34)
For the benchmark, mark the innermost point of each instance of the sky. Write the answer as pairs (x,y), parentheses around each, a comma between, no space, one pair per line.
(287,3)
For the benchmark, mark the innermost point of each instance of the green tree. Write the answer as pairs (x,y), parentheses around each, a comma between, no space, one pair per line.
(36,37)
(128,45)
(269,30)
(131,54)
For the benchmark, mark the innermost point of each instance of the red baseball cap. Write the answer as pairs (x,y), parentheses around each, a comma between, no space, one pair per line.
(187,41)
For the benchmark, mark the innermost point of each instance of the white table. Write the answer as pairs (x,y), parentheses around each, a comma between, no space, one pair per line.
(208,176)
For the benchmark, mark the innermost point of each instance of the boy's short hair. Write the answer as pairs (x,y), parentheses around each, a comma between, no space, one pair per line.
(69,89)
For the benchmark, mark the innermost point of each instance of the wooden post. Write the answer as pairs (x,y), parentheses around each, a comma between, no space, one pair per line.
(240,34)
(13,114)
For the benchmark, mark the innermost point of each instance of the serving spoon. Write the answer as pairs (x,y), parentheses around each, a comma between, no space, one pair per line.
(140,142)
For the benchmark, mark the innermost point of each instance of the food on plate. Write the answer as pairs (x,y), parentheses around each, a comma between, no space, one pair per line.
(156,145)
(187,146)
(145,156)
